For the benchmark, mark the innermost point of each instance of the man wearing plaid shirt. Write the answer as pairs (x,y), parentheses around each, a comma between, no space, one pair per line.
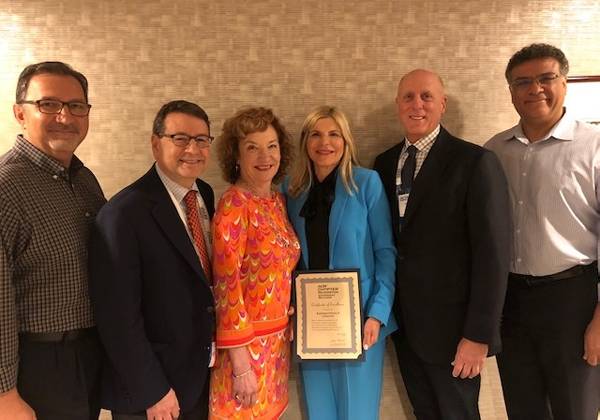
(49,350)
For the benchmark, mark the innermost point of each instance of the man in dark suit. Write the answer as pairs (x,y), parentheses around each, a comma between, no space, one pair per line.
(150,277)
(449,204)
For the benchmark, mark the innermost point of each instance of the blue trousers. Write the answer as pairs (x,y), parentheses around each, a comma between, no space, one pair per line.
(344,390)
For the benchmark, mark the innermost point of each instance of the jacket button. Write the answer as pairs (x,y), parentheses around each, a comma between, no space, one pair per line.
(210,309)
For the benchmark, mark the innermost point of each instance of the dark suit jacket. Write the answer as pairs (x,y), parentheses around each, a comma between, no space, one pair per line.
(152,301)
(453,247)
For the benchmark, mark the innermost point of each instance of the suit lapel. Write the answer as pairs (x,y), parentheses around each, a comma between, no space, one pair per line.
(429,174)
(168,219)
(389,170)
(208,197)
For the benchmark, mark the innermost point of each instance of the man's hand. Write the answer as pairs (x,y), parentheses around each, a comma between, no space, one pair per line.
(591,339)
(166,409)
(12,407)
(469,358)
(371,332)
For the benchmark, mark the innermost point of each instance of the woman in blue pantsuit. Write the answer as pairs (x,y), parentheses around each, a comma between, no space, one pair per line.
(341,215)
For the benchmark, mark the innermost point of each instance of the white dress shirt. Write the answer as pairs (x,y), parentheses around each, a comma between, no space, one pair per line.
(177,194)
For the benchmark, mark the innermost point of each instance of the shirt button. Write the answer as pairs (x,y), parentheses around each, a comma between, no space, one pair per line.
(520,202)
(518,231)
(524,174)
(54,176)
(518,260)
(87,214)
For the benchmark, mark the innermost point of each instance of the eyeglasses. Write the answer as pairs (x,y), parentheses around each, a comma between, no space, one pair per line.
(524,83)
(183,140)
(52,106)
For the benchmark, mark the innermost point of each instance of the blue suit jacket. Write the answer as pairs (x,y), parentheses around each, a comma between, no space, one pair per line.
(153,304)
(453,250)
(360,236)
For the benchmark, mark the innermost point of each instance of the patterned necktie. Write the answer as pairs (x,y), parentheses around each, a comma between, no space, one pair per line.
(407,173)
(193,219)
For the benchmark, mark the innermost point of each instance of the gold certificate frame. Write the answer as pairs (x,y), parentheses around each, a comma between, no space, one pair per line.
(328,315)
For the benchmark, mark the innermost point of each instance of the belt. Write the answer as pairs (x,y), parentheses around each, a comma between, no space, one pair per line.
(532,281)
(57,337)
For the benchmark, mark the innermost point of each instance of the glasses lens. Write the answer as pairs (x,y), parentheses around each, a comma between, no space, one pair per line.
(547,79)
(522,83)
(50,107)
(79,109)
(203,141)
(180,140)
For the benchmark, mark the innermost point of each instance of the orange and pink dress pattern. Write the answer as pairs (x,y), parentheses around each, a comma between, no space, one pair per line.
(255,250)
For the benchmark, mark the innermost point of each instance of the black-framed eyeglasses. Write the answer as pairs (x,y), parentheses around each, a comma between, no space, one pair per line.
(524,83)
(183,140)
(53,106)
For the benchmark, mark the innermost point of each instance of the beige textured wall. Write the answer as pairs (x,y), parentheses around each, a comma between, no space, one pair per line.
(291,56)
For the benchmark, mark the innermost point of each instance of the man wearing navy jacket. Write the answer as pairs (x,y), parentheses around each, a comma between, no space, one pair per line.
(449,204)
(150,277)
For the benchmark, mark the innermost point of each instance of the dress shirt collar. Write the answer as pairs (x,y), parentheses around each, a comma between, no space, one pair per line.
(424,142)
(564,129)
(173,187)
(45,162)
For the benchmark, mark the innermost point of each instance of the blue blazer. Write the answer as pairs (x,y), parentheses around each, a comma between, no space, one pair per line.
(360,236)
(153,304)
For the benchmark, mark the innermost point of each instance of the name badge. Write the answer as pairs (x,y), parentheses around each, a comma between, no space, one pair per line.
(402,202)
(213,354)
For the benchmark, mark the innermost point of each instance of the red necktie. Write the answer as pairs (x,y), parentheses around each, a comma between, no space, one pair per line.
(193,219)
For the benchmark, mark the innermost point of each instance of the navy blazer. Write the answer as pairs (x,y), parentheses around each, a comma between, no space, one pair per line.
(153,304)
(453,247)
(359,237)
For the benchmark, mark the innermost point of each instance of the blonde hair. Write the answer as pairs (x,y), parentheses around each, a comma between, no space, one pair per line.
(303,172)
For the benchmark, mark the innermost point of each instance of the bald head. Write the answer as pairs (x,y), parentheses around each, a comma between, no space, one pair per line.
(420,102)
(424,73)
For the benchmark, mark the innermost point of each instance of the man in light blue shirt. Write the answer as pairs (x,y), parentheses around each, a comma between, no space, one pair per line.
(551,321)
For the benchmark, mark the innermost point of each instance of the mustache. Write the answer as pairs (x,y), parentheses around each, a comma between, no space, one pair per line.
(67,128)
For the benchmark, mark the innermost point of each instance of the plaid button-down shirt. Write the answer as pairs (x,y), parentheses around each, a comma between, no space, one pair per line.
(423,145)
(46,212)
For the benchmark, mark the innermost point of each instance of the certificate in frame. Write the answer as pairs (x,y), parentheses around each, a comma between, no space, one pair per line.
(328,315)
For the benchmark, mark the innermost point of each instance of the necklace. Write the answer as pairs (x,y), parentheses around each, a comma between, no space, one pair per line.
(246,186)
(282,233)
(270,216)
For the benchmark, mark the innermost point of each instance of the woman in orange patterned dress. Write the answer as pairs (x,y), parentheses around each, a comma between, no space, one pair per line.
(255,250)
